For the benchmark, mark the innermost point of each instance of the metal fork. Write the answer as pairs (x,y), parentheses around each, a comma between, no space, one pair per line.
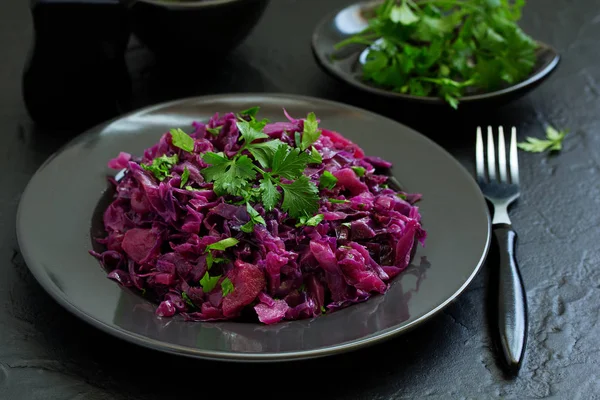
(499,183)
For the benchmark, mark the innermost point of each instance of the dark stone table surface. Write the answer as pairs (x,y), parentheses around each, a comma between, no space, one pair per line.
(47,353)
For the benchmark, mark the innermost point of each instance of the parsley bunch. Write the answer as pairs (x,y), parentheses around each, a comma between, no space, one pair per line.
(259,170)
(446,48)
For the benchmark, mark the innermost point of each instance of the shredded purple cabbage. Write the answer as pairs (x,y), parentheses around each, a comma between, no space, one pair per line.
(157,233)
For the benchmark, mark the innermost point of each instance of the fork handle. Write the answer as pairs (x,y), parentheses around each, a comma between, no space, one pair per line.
(511,299)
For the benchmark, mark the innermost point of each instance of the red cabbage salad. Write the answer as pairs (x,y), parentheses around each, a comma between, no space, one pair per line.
(246,219)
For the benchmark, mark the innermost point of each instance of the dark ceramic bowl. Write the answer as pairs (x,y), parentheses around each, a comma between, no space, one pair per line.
(191,28)
(346,64)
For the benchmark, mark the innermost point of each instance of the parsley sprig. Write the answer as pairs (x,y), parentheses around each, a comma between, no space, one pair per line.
(446,48)
(240,176)
(553,141)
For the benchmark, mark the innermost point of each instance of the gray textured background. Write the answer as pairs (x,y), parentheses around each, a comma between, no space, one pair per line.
(45,353)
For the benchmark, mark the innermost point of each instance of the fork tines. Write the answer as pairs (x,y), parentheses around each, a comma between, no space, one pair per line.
(497,171)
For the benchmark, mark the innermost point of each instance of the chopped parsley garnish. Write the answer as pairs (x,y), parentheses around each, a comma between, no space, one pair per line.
(359,171)
(402,196)
(214,131)
(223,244)
(161,166)
(553,141)
(255,218)
(327,180)
(315,156)
(208,282)
(227,287)
(312,221)
(184,177)
(346,224)
(187,299)
(182,140)
(337,201)
(250,112)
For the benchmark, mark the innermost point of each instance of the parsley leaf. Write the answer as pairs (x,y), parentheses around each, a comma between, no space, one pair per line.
(255,218)
(553,141)
(227,287)
(347,224)
(253,123)
(327,180)
(402,196)
(311,131)
(184,177)
(403,14)
(312,221)
(187,299)
(336,201)
(270,194)
(223,244)
(210,260)
(209,282)
(214,158)
(288,162)
(265,151)
(315,156)
(359,171)
(254,215)
(214,131)
(161,166)
(251,112)
(249,133)
(182,140)
(229,176)
(248,227)
(300,197)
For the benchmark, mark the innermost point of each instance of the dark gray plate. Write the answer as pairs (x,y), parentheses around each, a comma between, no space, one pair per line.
(345,64)
(57,209)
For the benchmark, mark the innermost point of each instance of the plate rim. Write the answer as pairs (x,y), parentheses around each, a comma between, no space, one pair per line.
(536,78)
(175,349)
